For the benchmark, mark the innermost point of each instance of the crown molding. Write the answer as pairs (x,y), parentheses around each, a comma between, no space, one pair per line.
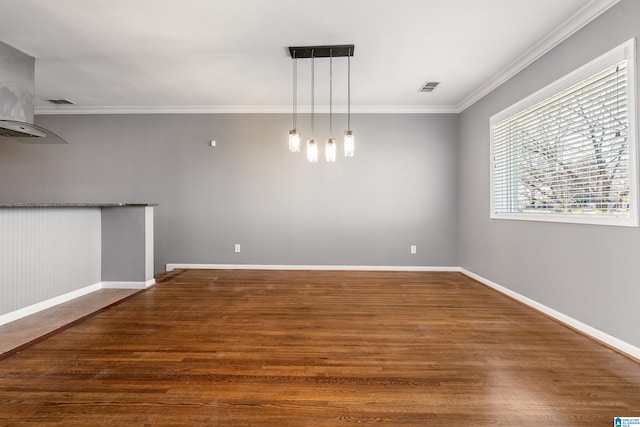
(246,109)
(144,109)
(399,109)
(575,22)
(582,17)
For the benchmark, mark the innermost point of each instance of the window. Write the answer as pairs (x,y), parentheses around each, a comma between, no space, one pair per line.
(568,152)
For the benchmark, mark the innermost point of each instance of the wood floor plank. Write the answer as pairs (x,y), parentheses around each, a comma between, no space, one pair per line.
(301,348)
(21,332)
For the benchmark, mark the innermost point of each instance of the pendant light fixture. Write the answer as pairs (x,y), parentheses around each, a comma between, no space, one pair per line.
(349,139)
(312,147)
(294,137)
(330,148)
(313,52)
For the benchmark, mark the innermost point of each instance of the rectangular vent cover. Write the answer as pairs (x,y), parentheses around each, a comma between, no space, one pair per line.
(61,101)
(428,87)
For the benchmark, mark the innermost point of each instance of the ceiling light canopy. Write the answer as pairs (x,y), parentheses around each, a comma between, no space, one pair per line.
(313,52)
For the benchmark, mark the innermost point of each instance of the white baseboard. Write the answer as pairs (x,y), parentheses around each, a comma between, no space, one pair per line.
(597,334)
(171,267)
(128,285)
(43,305)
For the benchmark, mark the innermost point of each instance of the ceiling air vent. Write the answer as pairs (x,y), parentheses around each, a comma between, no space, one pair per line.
(61,101)
(428,87)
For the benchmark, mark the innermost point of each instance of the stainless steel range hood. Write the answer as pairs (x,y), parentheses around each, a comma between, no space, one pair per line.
(17,70)
(18,129)
(27,133)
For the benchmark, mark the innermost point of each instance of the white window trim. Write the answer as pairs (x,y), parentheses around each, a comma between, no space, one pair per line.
(626,51)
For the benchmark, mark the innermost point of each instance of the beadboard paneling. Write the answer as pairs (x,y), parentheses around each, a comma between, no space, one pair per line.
(47,252)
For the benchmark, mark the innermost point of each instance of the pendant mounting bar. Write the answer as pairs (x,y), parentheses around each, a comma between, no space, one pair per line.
(321,51)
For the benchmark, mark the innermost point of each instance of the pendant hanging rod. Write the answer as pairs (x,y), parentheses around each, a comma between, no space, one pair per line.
(295,91)
(349,90)
(336,51)
(313,69)
(331,93)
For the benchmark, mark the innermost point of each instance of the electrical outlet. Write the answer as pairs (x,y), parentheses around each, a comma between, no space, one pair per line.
(212,143)
(414,249)
(237,247)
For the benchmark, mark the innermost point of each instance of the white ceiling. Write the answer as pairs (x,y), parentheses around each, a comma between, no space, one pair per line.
(231,55)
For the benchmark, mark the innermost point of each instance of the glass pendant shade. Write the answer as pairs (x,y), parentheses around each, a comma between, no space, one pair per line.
(294,141)
(330,150)
(312,151)
(349,143)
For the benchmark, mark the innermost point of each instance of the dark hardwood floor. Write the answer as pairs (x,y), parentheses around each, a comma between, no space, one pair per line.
(301,348)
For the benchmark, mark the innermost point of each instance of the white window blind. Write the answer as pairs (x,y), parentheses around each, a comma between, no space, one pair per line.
(568,153)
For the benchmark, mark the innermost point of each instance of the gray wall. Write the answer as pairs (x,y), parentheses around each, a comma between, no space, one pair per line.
(399,189)
(588,272)
(123,244)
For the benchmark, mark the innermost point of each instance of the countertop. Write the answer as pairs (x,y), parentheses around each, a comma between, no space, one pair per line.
(75,205)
